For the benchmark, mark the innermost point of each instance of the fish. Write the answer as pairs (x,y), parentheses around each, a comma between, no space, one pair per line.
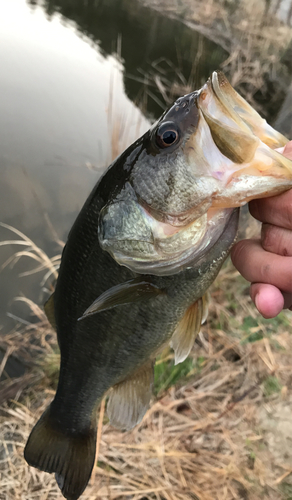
(138,263)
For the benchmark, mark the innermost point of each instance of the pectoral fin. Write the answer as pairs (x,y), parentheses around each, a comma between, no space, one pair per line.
(188,328)
(129,400)
(49,308)
(125,293)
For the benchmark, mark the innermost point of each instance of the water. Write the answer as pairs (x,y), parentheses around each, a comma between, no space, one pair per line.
(60,79)
(145,38)
(53,122)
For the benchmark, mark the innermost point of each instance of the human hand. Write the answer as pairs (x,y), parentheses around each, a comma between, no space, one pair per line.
(267,263)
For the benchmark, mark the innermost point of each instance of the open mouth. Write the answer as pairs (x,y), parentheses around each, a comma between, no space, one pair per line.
(234,145)
(230,106)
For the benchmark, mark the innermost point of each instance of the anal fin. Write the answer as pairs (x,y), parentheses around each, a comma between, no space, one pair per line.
(188,328)
(129,400)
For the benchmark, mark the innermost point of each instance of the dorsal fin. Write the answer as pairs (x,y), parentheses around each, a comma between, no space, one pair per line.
(188,328)
(49,308)
(129,400)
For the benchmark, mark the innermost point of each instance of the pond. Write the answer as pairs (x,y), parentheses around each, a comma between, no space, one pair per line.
(72,73)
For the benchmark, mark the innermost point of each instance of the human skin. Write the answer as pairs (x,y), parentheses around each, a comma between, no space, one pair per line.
(267,262)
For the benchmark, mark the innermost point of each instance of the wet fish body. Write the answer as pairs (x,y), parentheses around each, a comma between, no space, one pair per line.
(138,262)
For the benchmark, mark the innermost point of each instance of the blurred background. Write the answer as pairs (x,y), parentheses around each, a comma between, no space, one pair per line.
(79,81)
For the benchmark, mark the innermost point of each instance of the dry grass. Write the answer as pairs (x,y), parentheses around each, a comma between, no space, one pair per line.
(206,438)
(32,252)
(249,31)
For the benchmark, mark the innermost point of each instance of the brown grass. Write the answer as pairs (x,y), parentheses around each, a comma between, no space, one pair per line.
(207,438)
(254,38)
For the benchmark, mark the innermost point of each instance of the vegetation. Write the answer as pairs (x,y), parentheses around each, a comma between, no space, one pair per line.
(257,42)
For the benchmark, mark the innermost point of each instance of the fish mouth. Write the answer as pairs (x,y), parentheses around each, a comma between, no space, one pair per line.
(242,157)
(236,108)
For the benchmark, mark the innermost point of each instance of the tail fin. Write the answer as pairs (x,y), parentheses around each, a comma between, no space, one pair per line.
(70,456)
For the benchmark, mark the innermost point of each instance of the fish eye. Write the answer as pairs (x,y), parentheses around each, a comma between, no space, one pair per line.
(167,135)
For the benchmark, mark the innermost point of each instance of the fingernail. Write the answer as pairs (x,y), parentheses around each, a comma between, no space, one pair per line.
(254,209)
(256,301)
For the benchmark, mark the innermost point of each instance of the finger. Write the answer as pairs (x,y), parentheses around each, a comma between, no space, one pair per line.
(276,239)
(276,210)
(259,266)
(268,299)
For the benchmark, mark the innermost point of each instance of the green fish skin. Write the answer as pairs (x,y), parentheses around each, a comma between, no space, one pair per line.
(141,255)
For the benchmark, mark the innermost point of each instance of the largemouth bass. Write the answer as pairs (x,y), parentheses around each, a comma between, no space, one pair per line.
(139,259)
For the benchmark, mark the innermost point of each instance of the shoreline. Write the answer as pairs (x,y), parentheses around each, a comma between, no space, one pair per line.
(258,43)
